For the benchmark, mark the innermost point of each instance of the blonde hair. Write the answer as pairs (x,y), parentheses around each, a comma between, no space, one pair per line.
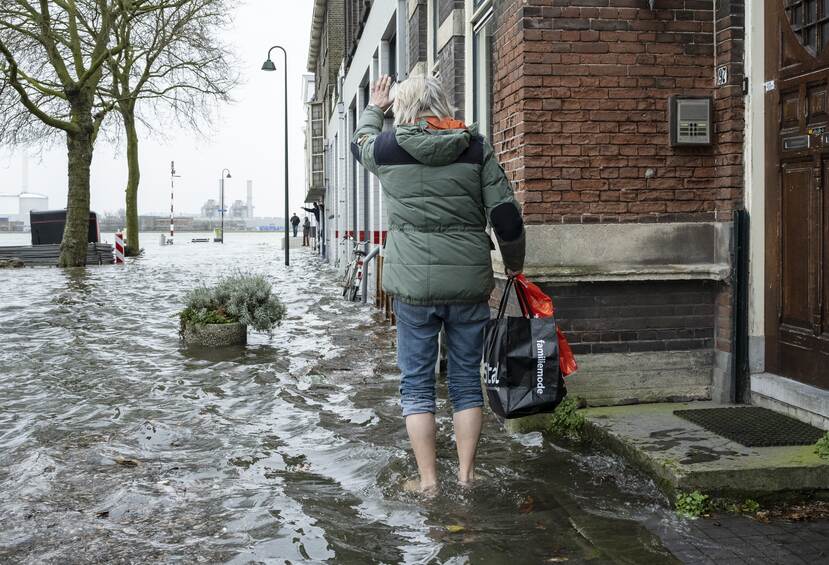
(421,96)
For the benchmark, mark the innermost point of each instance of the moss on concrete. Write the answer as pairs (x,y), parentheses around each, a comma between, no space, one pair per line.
(684,457)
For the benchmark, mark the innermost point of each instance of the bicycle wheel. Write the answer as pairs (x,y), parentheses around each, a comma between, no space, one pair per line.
(352,296)
(351,273)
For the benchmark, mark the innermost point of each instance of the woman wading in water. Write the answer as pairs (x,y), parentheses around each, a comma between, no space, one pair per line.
(442,185)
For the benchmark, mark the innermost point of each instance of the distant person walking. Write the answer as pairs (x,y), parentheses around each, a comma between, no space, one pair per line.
(306,232)
(443,185)
(295,223)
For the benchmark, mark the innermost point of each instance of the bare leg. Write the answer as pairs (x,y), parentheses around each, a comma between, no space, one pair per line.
(422,429)
(467,431)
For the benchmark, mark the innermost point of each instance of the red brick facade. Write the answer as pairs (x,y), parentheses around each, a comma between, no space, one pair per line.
(581,109)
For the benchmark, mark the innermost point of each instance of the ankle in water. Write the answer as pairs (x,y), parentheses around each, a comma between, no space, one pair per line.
(466,478)
(418,486)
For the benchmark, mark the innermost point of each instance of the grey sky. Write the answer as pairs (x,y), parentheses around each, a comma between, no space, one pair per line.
(247,137)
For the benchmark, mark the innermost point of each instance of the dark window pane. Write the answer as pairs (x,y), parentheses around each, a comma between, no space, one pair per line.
(393,56)
(824,34)
(435,27)
(811,11)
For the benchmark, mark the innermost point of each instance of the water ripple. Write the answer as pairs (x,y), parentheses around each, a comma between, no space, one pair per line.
(118,444)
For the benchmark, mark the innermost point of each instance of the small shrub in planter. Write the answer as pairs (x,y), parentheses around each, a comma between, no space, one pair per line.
(221,314)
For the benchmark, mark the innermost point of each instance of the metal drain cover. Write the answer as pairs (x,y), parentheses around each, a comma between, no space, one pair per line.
(753,426)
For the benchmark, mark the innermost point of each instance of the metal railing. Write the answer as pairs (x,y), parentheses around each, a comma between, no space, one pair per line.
(368,259)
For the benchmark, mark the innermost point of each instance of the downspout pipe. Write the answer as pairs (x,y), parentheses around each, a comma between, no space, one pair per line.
(739,302)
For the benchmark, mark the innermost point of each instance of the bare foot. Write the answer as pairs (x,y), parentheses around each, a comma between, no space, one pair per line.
(415,486)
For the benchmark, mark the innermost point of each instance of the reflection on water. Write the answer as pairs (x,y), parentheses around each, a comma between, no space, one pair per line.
(117,444)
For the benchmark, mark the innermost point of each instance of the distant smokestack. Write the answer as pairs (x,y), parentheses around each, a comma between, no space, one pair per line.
(250,199)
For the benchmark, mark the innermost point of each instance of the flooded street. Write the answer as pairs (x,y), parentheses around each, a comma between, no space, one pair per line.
(118,445)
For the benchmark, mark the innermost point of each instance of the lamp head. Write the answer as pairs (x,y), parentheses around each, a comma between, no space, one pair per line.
(268,66)
(228,175)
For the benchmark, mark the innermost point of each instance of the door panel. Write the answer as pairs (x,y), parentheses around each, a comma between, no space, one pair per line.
(791,112)
(817,103)
(797,256)
(795,242)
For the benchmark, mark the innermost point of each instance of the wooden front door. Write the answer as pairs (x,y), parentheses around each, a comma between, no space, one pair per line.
(797,177)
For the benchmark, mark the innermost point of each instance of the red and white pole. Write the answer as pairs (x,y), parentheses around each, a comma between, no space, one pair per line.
(172,187)
(119,248)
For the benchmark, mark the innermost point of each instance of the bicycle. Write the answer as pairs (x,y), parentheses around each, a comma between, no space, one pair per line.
(353,278)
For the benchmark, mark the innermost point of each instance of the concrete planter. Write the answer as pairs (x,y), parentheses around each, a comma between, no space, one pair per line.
(215,335)
(13,263)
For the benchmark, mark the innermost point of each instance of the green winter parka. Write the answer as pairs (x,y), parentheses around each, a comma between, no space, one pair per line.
(441,188)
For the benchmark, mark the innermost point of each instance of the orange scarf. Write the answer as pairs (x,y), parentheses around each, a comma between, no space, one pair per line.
(445,123)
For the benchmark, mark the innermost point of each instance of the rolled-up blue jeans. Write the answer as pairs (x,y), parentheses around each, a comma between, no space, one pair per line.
(418,328)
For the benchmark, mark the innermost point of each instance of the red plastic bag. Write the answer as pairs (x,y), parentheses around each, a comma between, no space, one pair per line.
(540,305)
(566,359)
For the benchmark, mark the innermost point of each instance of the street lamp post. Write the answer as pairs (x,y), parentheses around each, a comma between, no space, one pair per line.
(222,201)
(270,66)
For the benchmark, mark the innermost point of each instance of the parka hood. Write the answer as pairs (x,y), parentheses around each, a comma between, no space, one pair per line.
(434,147)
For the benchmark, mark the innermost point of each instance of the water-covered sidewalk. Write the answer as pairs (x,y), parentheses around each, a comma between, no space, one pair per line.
(118,445)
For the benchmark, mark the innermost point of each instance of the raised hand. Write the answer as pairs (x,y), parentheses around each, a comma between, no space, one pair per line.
(380,96)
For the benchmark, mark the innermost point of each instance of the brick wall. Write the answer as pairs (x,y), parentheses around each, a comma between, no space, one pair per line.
(581,110)
(728,161)
(330,55)
(728,100)
(450,60)
(356,12)
(508,90)
(623,317)
(450,66)
(580,121)
(417,35)
(445,8)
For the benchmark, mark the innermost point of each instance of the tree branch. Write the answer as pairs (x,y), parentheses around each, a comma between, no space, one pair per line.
(13,79)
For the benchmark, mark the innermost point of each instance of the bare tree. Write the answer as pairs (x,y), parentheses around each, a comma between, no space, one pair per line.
(172,63)
(52,60)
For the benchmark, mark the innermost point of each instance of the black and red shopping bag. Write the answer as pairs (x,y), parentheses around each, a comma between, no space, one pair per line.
(523,355)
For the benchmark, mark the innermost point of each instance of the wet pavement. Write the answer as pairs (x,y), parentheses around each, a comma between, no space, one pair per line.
(118,445)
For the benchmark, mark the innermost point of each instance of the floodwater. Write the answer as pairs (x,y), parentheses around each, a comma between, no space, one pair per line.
(119,445)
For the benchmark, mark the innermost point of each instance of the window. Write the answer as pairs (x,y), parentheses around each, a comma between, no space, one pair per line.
(810,22)
(482,73)
(393,57)
(435,27)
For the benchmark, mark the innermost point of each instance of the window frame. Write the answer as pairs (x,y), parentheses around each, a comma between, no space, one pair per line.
(482,14)
(817,27)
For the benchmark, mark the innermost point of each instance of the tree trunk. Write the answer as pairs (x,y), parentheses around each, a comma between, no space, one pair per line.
(79,145)
(133,180)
